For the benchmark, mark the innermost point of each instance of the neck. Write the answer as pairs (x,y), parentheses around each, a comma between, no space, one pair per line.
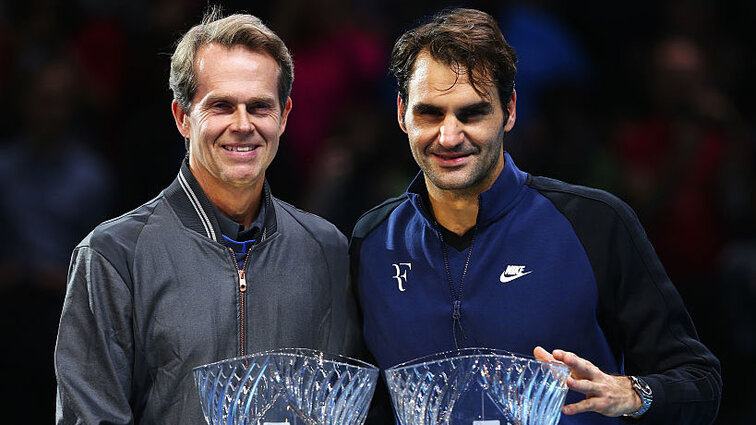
(242,207)
(455,212)
(241,204)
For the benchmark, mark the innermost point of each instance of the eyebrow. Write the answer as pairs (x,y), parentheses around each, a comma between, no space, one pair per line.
(265,100)
(424,108)
(481,107)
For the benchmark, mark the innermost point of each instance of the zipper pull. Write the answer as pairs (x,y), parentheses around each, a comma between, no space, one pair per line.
(457,321)
(242,281)
(457,311)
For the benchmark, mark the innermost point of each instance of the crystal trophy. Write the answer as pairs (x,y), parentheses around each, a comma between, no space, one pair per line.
(294,386)
(477,386)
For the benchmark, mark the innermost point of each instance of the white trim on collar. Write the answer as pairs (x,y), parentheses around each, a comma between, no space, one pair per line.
(197,206)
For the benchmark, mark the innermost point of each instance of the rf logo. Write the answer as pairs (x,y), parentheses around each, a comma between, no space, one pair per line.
(401,278)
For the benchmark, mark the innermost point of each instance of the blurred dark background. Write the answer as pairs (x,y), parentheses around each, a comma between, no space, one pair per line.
(651,100)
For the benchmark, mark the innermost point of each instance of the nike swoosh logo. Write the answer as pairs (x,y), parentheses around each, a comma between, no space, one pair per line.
(504,278)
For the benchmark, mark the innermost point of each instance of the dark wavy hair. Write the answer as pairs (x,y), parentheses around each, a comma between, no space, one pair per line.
(467,40)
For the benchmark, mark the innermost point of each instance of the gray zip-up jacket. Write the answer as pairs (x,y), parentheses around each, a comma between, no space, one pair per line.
(153,294)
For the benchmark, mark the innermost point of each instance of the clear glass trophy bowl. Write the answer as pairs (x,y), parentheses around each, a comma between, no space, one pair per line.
(477,386)
(294,386)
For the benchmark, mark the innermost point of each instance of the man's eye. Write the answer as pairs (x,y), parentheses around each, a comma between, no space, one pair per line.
(431,114)
(257,108)
(466,117)
(469,116)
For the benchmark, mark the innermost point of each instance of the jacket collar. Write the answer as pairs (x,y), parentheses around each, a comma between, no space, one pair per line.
(196,212)
(492,204)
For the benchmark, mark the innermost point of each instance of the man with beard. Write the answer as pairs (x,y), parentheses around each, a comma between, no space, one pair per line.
(480,254)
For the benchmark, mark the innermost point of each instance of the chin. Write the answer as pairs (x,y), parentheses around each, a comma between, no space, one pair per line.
(241,180)
(446,180)
(449,184)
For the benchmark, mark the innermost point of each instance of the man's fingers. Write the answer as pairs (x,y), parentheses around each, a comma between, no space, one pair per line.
(581,368)
(587,405)
(582,386)
(542,355)
(605,394)
(601,405)
(570,359)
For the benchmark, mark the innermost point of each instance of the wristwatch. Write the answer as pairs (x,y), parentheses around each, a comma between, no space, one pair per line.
(644,392)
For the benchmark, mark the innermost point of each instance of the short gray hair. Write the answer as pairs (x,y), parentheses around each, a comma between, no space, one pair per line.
(238,29)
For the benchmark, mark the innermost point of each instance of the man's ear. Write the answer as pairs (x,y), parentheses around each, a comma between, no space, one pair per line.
(511,112)
(181,118)
(400,113)
(285,115)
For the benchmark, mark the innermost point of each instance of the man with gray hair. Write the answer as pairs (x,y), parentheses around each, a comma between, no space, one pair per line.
(214,267)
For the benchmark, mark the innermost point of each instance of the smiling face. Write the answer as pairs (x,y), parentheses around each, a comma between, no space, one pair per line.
(235,119)
(455,134)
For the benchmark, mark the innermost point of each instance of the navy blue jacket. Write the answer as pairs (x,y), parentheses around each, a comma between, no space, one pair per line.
(552,264)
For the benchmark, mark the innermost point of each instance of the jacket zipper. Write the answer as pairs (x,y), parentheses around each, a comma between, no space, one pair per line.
(242,297)
(456,294)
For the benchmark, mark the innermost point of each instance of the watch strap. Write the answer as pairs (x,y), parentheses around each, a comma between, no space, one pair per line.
(644,392)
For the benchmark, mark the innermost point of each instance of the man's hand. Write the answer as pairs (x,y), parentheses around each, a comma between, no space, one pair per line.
(606,394)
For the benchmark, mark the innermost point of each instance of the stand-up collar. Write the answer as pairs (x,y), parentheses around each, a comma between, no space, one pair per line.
(236,231)
(197,213)
(492,204)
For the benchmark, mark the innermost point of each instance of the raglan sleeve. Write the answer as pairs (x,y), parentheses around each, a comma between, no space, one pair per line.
(94,351)
(345,335)
(658,339)
(380,412)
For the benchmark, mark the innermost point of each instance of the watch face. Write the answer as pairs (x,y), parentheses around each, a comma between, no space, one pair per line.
(644,391)
(642,386)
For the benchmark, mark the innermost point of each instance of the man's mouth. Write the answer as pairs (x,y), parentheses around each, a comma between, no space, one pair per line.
(452,155)
(239,148)
(452,159)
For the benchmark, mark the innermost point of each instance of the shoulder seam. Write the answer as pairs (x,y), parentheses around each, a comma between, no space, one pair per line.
(308,214)
(153,200)
(621,211)
(573,190)
(314,216)
(107,260)
(390,203)
(151,205)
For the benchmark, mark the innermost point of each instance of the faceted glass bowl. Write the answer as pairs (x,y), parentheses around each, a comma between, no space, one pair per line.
(295,386)
(477,386)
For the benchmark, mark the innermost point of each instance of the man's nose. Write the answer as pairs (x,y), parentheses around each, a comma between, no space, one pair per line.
(242,123)
(450,132)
